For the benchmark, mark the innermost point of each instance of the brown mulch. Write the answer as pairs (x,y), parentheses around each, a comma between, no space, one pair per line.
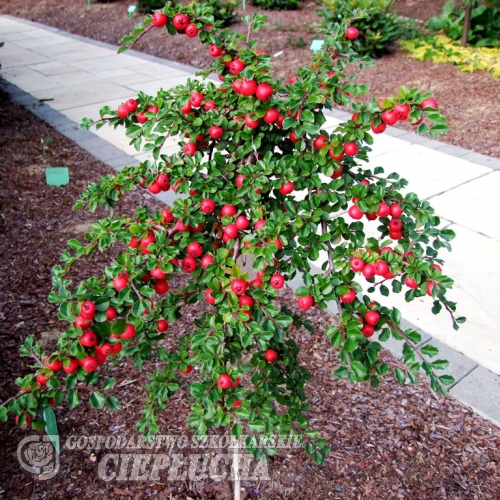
(470,102)
(396,442)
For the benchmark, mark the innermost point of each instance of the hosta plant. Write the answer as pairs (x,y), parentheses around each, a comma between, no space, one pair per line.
(258,178)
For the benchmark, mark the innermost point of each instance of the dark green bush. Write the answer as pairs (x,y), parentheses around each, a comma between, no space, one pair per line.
(222,11)
(150,5)
(378,26)
(277,4)
(484,28)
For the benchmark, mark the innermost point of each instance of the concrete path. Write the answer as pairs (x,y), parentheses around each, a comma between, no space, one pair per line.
(63,78)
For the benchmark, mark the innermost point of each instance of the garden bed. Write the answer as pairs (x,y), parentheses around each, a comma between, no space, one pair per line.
(396,442)
(470,102)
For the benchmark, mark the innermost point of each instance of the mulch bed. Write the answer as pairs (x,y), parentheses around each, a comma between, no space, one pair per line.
(397,442)
(470,102)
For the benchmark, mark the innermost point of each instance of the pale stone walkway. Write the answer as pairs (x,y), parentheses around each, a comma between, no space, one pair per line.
(74,77)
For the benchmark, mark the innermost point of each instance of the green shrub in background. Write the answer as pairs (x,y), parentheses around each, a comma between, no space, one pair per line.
(378,26)
(149,6)
(222,11)
(277,4)
(484,28)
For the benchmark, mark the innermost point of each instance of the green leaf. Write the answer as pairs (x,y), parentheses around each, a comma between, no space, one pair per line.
(108,384)
(51,427)
(358,369)
(429,350)
(97,400)
(113,403)
(72,399)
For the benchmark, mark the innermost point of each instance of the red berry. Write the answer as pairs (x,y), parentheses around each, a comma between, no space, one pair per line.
(334,156)
(264,92)
(236,66)
(277,281)
(287,188)
(305,302)
(215,51)
(88,339)
(395,225)
(89,364)
(256,282)
(245,300)
(402,111)
(159,19)
(411,283)
(207,206)
(383,209)
(224,381)
(161,287)
(208,296)
(368,271)
(238,286)
(131,105)
(162,326)
(194,249)
(190,148)
(253,124)
(188,369)
(191,30)
(72,365)
(215,132)
(123,111)
(188,264)
(379,128)
(357,264)
(87,310)
(381,267)
(241,223)
(389,117)
(355,212)
(206,260)
(180,22)
(351,149)
(348,297)
(129,332)
(271,355)
(228,210)
(396,210)
(158,274)
(352,33)
(429,103)
(367,331)
(271,116)
(320,142)
(54,366)
(372,318)
(121,281)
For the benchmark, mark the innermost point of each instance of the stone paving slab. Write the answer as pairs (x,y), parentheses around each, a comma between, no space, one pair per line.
(478,339)
(480,391)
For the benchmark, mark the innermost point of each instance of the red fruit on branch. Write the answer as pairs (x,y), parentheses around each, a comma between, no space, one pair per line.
(236,66)
(54,366)
(383,209)
(402,111)
(131,105)
(41,379)
(321,142)
(162,326)
(228,210)
(352,33)
(367,331)
(206,260)
(159,19)
(395,225)
(349,297)
(245,300)
(161,287)
(180,22)
(188,264)
(287,188)
(277,281)
(410,282)
(87,310)
(224,381)
(215,132)
(239,286)
(158,274)
(208,296)
(372,318)
(71,365)
(231,231)
(129,332)
(264,92)
(191,30)
(194,249)
(214,50)
(190,148)
(368,271)
(88,339)
(396,210)
(338,173)
(196,99)
(207,206)
(351,149)
(355,212)
(357,264)
(379,128)
(305,302)
(188,370)
(167,215)
(81,322)
(389,117)
(429,103)
(253,124)
(89,364)
(271,355)
(122,111)
(247,87)
(271,116)
(334,156)
(242,223)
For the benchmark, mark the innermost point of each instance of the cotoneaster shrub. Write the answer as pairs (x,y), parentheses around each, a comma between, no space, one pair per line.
(260,179)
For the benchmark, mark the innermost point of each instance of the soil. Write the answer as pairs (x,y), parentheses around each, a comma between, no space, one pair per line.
(396,442)
(469,101)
